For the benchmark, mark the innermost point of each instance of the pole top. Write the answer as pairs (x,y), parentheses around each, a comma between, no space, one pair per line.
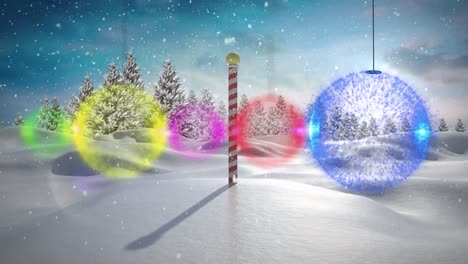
(233,59)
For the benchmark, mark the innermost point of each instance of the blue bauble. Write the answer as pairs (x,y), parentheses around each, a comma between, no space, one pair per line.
(369,131)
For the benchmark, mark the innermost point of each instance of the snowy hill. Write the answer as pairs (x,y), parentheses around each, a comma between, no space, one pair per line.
(58,210)
(449,145)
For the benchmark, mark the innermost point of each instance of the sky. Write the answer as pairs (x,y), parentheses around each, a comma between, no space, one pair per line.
(293,48)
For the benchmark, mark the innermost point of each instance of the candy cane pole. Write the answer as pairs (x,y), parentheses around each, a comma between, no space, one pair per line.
(232,60)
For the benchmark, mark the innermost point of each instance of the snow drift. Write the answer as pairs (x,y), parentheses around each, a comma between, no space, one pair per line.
(448,145)
(53,211)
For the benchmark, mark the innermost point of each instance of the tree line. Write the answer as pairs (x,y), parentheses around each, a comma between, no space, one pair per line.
(459,127)
(168,93)
(346,126)
(276,120)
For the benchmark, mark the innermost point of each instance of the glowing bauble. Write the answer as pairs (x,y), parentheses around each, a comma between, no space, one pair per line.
(42,142)
(128,152)
(196,130)
(270,131)
(369,131)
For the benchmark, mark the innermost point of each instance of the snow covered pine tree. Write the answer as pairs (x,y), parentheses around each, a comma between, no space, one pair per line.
(460,127)
(51,116)
(131,73)
(405,125)
(18,120)
(244,101)
(168,91)
(257,125)
(206,99)
(86,90)
(291,118)
(373,127)
(335,125)
(113,77)
(191,124)
(443,125)
(192,97)
(222,110)
(389,127)
(346,127)
(207,111)
(364,130)
(355,131)
(276,118)
(44,114)
(117,108)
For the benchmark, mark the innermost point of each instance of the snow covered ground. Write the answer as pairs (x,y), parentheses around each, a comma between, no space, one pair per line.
(57,210)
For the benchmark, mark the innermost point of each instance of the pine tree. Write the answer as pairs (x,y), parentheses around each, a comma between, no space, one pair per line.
(389,127)
(192,97)
(72,107)
(244,101)
(443,125)
(271,123)
(206,99)
(346,128)
(257,125)
(86,90)
(51,116)
(168,91)
(194,121)
(282,111)
(43,117)
(131,73)
(364,130)
(246,117)
(120,107)
(276,118)
(19,121)
(373,127)
(2,124)
(405,125)
(113,77)
(222,111)
(56,114)
(353,126)
(190,130)
(189,121)
(290,120)
(460,127)
(335,124)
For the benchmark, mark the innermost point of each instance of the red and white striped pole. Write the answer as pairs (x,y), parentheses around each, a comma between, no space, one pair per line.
(232,60)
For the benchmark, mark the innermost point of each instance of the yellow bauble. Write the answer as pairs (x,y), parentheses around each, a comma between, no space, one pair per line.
(120,150)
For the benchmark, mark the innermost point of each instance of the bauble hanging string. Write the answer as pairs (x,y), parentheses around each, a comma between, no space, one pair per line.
(373,71)
(356,132)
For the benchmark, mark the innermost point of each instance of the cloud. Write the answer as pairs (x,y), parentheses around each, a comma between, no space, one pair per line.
(461,61)
(424,59)
(229,41)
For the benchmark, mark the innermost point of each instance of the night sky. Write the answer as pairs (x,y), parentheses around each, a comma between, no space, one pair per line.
(294,48)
